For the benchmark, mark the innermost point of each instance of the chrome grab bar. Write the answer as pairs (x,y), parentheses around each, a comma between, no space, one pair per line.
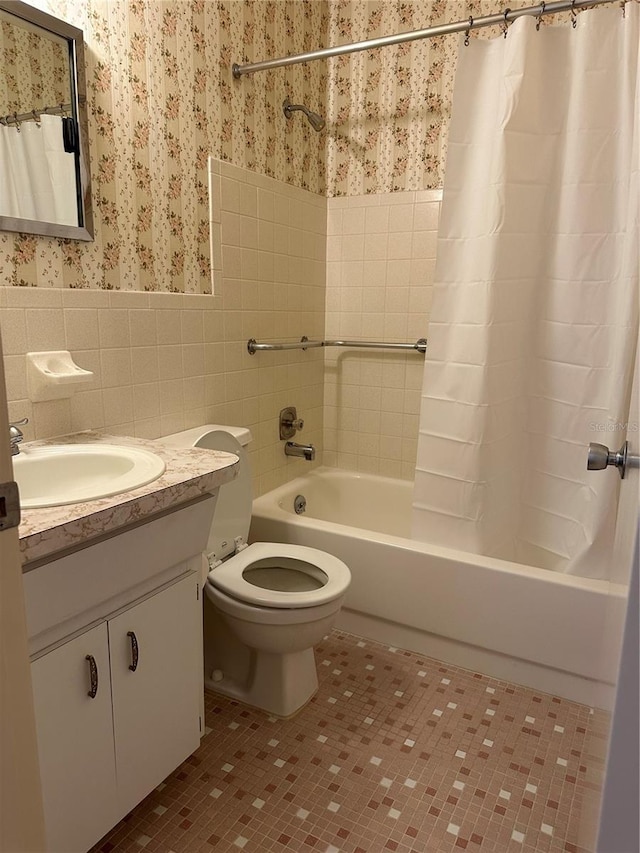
(304,343)
(253,346)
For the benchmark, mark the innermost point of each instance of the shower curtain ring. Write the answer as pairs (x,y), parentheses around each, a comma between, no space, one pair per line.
(16,122)
(36,118)
(574,22)
(505,25)
(540,14)
(623,6)
(467,33)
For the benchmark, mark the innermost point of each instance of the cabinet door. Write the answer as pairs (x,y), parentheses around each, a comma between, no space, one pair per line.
(156,670)
(75,741)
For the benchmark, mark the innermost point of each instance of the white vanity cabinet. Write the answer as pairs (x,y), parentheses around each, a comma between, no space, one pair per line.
(117,710)
(75,742)
(156,706)
(129,608)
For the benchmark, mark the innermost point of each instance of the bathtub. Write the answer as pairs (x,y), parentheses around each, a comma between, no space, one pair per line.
(523,624)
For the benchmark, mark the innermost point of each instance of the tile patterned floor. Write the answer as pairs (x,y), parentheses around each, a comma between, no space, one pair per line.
(396,752)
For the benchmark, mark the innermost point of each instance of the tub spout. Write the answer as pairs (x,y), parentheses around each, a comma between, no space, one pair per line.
(305,451)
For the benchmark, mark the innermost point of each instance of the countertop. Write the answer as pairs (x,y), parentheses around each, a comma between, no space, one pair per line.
(189,474)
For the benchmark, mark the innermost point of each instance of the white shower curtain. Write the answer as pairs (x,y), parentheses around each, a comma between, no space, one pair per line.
(534,319)
(37,176)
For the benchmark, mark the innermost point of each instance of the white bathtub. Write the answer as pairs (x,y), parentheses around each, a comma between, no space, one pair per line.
(519,623)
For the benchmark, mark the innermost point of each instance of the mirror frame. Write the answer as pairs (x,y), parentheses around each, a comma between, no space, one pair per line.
(78,99)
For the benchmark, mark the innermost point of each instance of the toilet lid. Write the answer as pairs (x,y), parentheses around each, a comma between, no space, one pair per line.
(281,576)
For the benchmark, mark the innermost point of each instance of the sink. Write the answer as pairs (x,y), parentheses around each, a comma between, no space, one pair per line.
(60,474)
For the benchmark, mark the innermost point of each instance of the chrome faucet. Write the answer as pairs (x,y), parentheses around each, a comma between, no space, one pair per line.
(16,436)
(304,451)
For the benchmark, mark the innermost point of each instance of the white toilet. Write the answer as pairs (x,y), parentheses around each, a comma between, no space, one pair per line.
(266,604)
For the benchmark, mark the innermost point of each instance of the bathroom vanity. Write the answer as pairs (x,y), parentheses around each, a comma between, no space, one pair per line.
(114,615)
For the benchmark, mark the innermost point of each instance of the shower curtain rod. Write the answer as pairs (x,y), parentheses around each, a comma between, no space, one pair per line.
(34,115)
(504,18)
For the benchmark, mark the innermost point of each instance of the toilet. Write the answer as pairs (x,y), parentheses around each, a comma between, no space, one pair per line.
(266,604)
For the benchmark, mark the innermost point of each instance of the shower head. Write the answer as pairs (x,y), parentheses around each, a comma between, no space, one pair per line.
(316,121)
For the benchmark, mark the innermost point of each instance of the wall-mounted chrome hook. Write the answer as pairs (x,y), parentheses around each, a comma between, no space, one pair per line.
(600,457)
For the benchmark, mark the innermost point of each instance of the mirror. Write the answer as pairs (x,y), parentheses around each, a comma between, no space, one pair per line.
(45,185)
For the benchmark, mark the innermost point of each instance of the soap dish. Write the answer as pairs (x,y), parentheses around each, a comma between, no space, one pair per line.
(54,375)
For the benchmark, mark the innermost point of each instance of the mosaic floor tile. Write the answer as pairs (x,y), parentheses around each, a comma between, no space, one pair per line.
(396,752)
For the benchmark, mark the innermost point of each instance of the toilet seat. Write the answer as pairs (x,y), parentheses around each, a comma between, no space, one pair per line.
(228,576)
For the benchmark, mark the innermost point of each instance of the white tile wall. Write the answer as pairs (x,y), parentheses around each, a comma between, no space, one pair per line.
(380,264)
(166,362)
(287,263)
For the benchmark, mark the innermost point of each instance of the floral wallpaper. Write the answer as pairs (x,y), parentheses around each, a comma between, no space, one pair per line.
(389,108)
(43,78)
(161,99)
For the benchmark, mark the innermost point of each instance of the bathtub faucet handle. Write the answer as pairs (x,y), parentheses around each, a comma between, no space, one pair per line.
(290,423)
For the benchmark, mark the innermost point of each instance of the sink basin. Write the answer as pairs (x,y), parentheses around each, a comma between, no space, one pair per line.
(69,473)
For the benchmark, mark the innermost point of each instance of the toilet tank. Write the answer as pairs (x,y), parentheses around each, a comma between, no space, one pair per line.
(191,437)
(232,515)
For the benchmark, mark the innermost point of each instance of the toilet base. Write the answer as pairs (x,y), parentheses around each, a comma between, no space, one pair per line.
(280,684)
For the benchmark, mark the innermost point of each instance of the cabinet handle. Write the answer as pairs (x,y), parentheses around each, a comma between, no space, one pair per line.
(93,675)
(134,651)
